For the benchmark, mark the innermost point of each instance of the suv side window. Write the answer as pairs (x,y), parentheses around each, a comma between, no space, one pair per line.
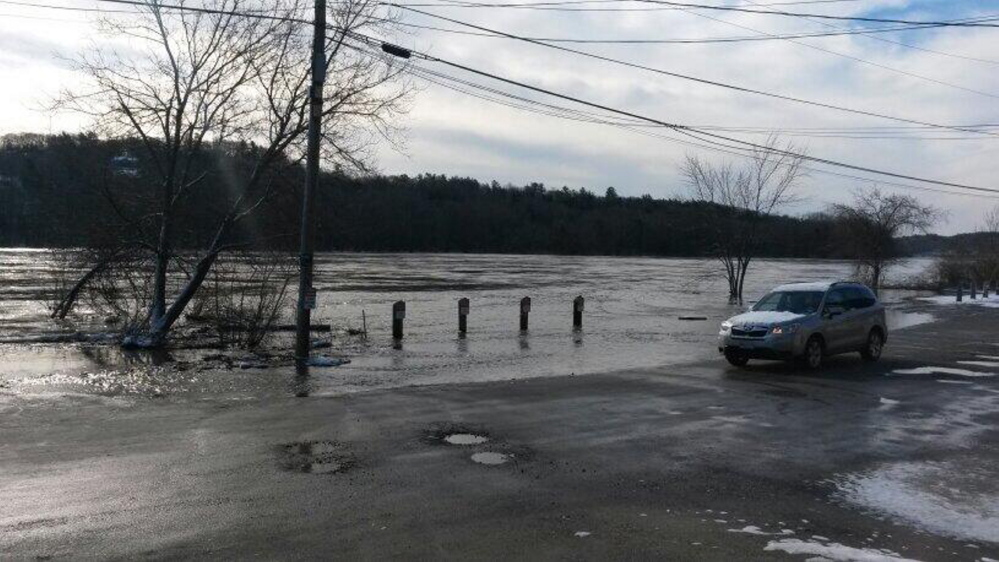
(861,297)
(837,297)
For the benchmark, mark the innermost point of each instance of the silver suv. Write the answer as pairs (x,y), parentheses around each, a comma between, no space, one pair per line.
(807,321)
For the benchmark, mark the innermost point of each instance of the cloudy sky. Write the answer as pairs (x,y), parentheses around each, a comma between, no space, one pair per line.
(944,76)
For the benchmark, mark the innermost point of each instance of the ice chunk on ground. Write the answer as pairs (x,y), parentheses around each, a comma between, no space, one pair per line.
(835,551)
(750,530)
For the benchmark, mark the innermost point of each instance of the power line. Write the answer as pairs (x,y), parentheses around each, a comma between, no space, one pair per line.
(570,114)
(700,40)
(846,56)
(689,77)
(683,129)
(820,16)
(900,43)
(560,6)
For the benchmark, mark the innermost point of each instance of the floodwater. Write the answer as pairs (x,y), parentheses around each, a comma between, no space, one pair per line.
(631,320)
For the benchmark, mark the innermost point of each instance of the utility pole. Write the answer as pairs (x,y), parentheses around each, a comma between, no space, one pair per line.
(306,297)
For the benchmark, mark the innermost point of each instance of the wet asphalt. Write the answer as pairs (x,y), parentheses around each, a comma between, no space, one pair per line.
(645,464)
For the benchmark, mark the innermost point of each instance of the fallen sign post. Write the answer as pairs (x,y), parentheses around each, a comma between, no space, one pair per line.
(398,316)
(525,311)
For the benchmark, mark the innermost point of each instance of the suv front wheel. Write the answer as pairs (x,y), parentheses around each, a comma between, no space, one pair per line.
(736,358)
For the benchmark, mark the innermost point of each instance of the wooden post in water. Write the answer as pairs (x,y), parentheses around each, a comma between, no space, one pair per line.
(398,315)
(463,306)
(525,311)
(960,291)
(577,312)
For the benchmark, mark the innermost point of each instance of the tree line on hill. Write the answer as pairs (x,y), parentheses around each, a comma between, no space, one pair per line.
(78,190)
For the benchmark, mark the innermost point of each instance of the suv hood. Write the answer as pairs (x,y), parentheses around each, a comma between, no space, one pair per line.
(767,318)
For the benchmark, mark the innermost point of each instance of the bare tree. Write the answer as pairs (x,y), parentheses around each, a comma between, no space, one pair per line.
(226,74)
(741,198)
(871,225)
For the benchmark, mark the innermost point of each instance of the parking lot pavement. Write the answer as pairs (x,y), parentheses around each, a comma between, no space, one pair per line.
(702,461)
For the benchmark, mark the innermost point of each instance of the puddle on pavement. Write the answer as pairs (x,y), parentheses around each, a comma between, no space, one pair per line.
(317,457)
(465,439)
(490,458)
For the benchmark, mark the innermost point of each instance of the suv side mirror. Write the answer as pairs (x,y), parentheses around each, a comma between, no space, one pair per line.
(833,311)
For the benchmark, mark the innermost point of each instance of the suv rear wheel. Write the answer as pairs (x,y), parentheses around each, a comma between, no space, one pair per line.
(814,353)
(875,344)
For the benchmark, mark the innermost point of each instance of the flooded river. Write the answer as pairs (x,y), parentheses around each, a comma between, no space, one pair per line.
(631,319)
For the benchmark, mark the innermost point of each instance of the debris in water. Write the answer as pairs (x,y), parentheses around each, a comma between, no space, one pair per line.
(466,439)
(490,458)
(324,361)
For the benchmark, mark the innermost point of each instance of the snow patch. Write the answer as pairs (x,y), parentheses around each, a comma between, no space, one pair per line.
(980,363)
(991,302)
(582,534)
(941,498)
(942,371)
(835,551)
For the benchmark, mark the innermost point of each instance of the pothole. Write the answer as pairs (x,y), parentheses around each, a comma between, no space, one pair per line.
(491,458)
(317,457)
(466,439)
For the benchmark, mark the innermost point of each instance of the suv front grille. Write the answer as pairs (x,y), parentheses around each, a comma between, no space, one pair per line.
(748,331)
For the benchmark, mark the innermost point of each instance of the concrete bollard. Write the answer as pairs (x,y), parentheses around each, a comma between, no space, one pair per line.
(974,290)
(960,292)
(398,316)
(525,311)
(463,307)
(577,312)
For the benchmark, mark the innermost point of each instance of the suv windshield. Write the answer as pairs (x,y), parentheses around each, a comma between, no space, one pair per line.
(798,302)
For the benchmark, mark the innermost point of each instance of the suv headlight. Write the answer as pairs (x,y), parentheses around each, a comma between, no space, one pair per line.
(781,330)
(726,327)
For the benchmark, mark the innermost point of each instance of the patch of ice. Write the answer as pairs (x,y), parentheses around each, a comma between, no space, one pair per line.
(942,371)
(835,551)
(941,498)
(888,402)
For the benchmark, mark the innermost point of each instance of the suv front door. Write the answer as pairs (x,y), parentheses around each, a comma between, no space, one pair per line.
(836,321)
